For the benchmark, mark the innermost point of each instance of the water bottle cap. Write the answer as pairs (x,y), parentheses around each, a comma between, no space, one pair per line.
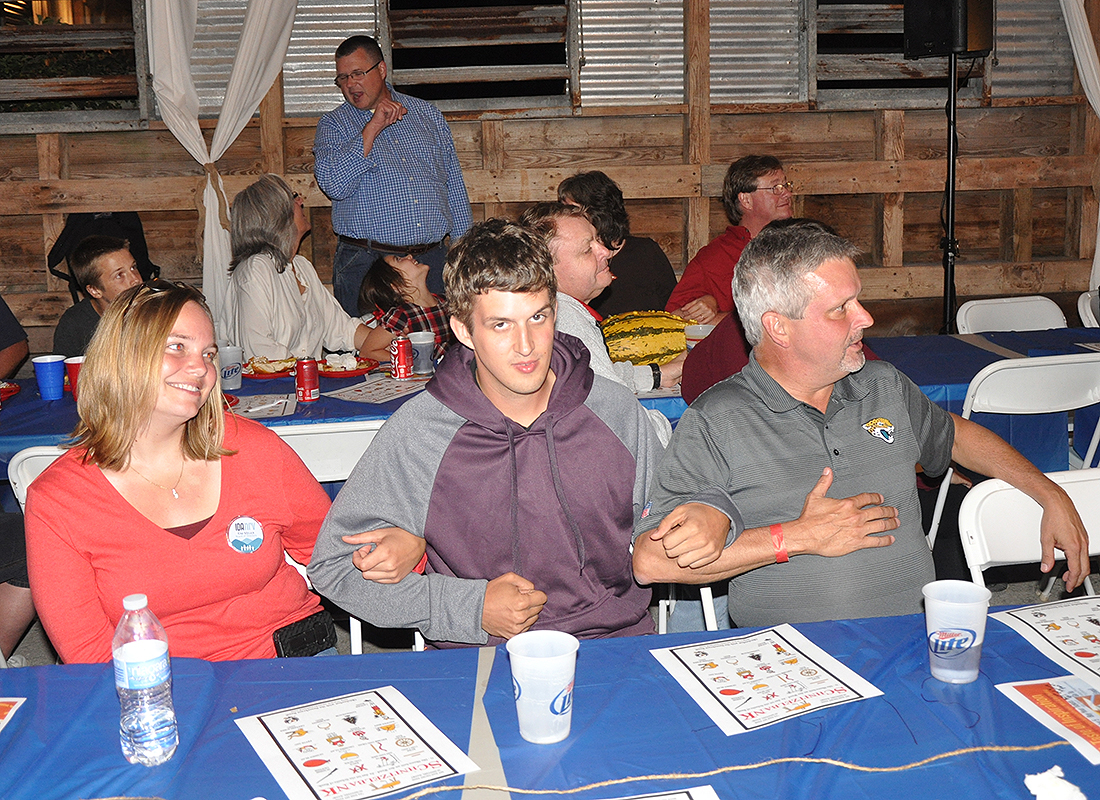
(135,602)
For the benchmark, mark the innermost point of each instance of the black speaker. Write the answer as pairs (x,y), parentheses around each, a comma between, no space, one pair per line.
(942,27)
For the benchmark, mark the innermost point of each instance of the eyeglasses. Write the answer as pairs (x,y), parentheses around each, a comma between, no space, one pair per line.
(355,75)
(779,188)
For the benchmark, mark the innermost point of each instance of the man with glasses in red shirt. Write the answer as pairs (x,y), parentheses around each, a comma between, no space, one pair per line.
(756,191)
(388,163)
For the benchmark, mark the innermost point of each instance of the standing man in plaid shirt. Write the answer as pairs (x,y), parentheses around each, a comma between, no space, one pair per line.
(388,163)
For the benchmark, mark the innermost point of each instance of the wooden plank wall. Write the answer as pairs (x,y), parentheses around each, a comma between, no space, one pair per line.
(1026,217)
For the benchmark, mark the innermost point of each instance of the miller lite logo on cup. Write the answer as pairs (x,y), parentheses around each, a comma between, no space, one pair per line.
(951,641)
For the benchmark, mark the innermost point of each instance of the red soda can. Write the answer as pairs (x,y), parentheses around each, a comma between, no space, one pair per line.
(401,357)
(307,385)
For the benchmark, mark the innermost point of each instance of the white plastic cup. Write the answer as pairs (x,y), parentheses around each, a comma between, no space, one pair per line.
(696,333)
(954,615)
(230,358)
(423,343)
(543,665)
(50,373)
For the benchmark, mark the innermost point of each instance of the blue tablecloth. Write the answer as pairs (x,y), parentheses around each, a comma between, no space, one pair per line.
(28,421)
(943,366)
(630,718)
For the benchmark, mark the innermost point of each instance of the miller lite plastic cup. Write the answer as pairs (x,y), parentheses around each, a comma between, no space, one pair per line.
(230,359)
(543,665)
(954,615)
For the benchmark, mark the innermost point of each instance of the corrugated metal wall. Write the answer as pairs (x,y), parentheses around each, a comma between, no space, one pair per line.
(757,54)
(319,28)
(216,37)
(1033,57)
(633,52)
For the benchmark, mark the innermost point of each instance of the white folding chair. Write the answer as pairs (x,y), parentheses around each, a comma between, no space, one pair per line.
(331,450)
(1087,308)
(1039,385)
(666,606)
(26,465)
(999,525)
(1030,313)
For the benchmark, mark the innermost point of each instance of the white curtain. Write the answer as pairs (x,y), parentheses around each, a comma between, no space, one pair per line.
(261,50)
(1088,68)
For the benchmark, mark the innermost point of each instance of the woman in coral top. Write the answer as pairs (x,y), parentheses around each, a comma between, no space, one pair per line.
(164,493)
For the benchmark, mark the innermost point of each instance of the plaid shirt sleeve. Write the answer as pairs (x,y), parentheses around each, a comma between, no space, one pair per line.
(431,319)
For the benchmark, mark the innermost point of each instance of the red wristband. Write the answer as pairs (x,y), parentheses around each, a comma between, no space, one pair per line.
(421,564)
(781,556)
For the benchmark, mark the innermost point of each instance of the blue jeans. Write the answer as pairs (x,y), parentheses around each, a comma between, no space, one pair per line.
(351,264)
(688,613)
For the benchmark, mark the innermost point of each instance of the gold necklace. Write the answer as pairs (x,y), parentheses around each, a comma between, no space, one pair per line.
(172,488)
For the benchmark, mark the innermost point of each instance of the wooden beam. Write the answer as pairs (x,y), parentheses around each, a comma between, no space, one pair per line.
(889,207)
(67,88)
(884,66)
(490,25)
(529,185)
(479,74)
(973,174)
(986,278)
(1021,225)
(51,165)
(492,157)
(55,38)
(272,140)
(1090,207)
(532,185)
(33,309)
(854,18)
(697,132)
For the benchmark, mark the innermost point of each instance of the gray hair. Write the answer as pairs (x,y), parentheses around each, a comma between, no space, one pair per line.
(770,275)
(261,220)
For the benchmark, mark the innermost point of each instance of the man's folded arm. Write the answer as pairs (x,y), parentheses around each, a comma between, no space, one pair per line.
(442,607)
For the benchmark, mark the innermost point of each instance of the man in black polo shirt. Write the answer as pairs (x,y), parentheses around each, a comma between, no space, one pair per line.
(796,477)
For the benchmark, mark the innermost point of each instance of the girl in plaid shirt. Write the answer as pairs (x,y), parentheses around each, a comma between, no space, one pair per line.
(395,295)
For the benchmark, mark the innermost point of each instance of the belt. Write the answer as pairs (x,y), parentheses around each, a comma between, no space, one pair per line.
(389,249)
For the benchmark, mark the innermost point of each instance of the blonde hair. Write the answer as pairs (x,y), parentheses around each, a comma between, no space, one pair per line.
(120,380)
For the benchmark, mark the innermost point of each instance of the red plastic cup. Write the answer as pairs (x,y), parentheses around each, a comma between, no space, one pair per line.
(72,369)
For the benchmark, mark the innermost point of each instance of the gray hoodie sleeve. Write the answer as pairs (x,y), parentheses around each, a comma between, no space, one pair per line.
(692,470)
(391,487)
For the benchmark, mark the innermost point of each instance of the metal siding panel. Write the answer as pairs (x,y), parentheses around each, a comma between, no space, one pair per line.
(1032,50)
(756,55)
(216,35)
(319,27)
(633,52)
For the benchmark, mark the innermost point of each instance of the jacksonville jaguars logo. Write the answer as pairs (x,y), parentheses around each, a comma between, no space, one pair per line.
(881,429)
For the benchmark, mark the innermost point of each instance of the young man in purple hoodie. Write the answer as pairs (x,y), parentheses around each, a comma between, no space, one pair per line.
(523,472)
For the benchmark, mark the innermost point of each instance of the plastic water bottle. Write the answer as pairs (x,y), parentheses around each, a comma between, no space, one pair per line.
(143,678)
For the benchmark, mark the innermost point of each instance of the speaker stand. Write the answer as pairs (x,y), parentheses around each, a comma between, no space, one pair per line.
(949,243)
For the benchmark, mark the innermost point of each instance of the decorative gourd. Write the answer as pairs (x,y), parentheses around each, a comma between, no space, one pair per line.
(644,337)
